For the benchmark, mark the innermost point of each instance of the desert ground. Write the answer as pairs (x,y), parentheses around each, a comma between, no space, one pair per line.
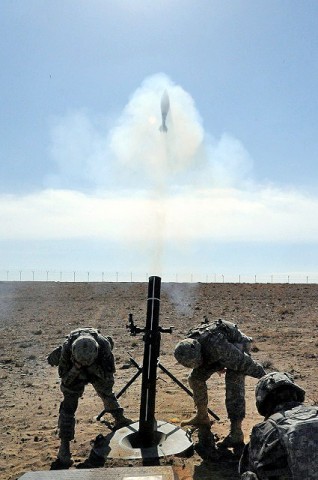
(36,316)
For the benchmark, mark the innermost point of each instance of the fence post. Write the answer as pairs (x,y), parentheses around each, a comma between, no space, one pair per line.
(213,278)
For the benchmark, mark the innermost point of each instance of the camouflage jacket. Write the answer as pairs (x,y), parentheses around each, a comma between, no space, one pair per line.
(103,365)
(223,345)
(284,446)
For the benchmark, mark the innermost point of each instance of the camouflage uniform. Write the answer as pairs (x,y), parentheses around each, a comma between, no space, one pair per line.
(223,345)
(266,457)
(85,357)
(100,374)
(283,446)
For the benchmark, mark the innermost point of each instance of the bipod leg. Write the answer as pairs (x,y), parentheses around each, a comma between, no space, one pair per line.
(180,384)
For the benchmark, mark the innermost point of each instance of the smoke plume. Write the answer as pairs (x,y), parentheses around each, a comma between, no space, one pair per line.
(156,157)
(137,143)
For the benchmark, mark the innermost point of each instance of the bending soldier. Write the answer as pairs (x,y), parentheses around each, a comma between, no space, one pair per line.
(85,357)
(284,446)
(212,348)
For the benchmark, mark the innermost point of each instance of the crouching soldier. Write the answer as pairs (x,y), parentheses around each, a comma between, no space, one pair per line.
(284,446)
(85,357)
(217,347)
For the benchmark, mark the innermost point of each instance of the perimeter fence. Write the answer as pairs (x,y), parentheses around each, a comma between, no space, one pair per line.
(16,275)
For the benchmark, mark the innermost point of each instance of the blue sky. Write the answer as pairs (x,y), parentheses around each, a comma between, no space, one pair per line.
(88,182)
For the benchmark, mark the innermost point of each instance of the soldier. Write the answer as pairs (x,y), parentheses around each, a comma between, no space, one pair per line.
(217,347)
(284,446)
(85,357)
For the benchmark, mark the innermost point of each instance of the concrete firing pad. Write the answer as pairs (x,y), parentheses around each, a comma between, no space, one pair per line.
(119,473)
(175,441)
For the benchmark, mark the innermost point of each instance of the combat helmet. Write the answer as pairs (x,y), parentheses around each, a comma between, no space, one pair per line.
(271,382)
(188,353)
(85,350)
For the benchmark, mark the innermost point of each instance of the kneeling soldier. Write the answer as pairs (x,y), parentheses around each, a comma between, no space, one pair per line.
(284,446)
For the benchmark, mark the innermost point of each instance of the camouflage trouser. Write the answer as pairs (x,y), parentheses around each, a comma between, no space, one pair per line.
(72,393)
(235,391)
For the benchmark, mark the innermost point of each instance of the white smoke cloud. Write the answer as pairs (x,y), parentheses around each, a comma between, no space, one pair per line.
(137,142)
(133,153)
(229,162)
(79,149)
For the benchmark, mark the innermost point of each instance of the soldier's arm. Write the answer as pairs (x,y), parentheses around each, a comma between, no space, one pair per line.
(71,375)
(106,357)
(65,364)
(233,358)
(244,466)
(54,357)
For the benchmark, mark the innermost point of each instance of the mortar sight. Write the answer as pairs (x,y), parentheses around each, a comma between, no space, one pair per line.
(132,327)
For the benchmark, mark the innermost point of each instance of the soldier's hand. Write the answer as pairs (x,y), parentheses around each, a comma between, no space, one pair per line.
(77,365)
(71,375)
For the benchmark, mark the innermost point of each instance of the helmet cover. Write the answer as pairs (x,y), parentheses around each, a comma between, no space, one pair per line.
(271,382)
(85,350)
(188,353)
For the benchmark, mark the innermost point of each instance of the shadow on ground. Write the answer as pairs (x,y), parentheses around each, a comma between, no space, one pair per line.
(220,470)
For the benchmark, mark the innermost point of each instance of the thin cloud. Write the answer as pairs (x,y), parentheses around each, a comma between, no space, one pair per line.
(266,215)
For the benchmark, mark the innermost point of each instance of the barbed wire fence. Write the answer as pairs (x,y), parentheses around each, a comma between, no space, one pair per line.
(27,275)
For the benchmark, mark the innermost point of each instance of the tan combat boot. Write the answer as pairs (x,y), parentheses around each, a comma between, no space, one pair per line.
(64,460)
(205,446)
(200,419)
(120,419)
(235,439)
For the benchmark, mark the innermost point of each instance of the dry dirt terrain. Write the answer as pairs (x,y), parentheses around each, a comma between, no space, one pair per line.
(36,316)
